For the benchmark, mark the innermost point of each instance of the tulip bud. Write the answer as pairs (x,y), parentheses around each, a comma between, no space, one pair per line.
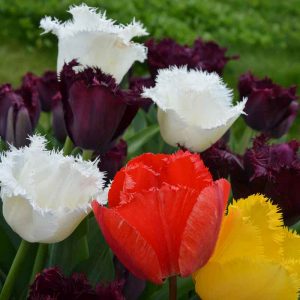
(207,56)
(19,111)
(58,120)
(270,108)
(96,110)
(47,86)
(194,107)
(46,195)
(95,41)
(113,160)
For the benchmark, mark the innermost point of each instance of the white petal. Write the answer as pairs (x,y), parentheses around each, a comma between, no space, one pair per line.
(45,194)
(175,131)
(96,41)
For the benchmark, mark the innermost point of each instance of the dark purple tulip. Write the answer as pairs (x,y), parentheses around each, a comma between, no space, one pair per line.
(96,110)
(208,56)
(113,160)
(48,87)
(136,84)
(220,160)
(19,111)
(51,284)
(58,121)
(270,108)
(272,170)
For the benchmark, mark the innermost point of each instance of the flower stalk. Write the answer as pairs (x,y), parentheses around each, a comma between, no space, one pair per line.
(40,259)
(23,251)
(68,146)
(173,287)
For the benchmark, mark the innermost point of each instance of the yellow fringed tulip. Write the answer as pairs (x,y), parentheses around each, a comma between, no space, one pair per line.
(256,257)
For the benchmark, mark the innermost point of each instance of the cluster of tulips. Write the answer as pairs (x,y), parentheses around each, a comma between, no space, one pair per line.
(221,218)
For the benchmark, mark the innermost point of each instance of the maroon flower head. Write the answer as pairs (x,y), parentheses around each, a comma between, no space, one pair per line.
(96,110)
(48,87)
(272,170)
(207,56)
(113,160)
(270,108)
(51,284)
(58,120)
(19,111)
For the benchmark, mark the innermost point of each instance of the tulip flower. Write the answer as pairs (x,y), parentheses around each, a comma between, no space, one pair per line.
(272,170)
(208,56)
(96,110)
(270,108)
(194,107)
(95,41)
(58,120)
(161,221)
(256,257)
(52,284)
(46,195)
(19,111)
(48,87)
(113,160)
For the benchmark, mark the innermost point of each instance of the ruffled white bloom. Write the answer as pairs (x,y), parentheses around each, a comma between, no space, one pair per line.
(194,107)
(46,195)
(96,41)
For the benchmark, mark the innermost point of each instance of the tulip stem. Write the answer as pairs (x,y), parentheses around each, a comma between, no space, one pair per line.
(39,260)
(87,154)
(68,146)
(23,251)
(173,287)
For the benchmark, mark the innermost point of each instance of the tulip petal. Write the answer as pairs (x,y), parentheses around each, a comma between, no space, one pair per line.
(245,279)
(195,174)
(202,227)
(267,219)
(132,249)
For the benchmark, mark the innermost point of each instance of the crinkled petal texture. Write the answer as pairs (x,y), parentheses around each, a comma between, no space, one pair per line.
(255,256)
(164,215)
(195,107)
(95,41)
(46,195)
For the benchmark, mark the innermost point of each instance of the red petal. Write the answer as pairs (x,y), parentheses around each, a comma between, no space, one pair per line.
(202,227)
(160,216)
(186,169)
(131,179)
(128,244)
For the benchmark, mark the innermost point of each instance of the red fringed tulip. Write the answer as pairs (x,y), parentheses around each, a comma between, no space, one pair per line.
(208,56)
(164,214)
(19,111)
(48,87)
(270,108)
(96,110)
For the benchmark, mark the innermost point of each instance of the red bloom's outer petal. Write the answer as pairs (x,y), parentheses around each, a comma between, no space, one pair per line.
(202,227)
(160,216)
(127,179)
(186,169)
(128,244)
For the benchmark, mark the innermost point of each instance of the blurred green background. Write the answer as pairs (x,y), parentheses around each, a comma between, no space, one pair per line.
(265,33)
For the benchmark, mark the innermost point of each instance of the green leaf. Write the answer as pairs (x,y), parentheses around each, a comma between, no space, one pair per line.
(99,266)
(70,252)
(136,142)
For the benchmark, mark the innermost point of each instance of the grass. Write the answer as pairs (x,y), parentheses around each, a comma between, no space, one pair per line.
(264,33)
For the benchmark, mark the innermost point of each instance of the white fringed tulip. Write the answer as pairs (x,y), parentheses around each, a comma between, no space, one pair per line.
(45,194)
(96,41)
(194,107)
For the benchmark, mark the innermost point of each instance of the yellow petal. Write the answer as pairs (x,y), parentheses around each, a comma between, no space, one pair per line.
(238,237)
(245,279)
(266,217)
